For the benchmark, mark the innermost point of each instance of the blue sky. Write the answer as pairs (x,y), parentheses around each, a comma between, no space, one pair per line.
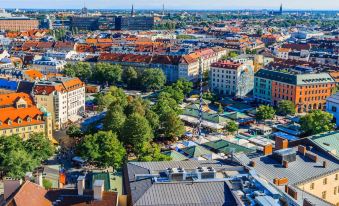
(174,4)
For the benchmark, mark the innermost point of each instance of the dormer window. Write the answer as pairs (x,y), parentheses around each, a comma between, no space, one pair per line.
(38,118)
(9,122)
(19,120)
(29,119)
(0,123)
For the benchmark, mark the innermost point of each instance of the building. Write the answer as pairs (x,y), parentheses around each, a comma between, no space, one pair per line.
(62,96)
(198,183)
(19,115)
(134,22)
(232,78)
(332,106)
(308,91)
(48,65)
(85,22)
(18,24)
(19,194)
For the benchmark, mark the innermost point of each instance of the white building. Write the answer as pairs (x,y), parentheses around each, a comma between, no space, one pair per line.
(332,106)
(48,65)
(232,78)
(63,97)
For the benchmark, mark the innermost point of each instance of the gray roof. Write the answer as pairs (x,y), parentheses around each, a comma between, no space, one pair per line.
(144,192)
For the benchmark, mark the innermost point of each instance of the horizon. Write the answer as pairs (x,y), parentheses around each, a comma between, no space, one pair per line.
(301,5)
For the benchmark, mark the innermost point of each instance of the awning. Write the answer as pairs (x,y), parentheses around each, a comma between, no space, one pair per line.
(74,118)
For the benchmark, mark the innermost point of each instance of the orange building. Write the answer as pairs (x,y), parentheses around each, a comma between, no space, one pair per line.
(306,91)
(18,24)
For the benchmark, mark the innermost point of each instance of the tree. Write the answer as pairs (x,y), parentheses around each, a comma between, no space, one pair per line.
(220,109)
(74,131)
(136,132)
(316,122)
(115,95)
(152,152)
(17,163)
(232,127)
(136,105)
(153,119)
(114,119)
(39,147)
(105,72)
(183,85)
(103,149)
(130,77)
(171,125)
(265,112)
(47,184)
(176,94)
(152,79)
(286,107)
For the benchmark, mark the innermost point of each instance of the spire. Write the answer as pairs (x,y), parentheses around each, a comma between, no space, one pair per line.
(163,9)
(281,8)
(132,12)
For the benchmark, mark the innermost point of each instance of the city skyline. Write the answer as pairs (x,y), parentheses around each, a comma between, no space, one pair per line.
(175,4)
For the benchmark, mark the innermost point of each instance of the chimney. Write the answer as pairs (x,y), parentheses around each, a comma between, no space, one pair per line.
(10,186)
(28,176)
(292,192)
(302,150)
(81,185)
(98,188)
(38,179)
(307,203)
(281,143)
(285,164)
(324,164)
(268,149)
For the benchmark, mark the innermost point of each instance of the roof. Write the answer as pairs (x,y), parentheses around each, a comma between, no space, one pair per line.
(328,141)
(195,151)
(31,192)
(226,64)
(145,192)
(223,146)
(176,156)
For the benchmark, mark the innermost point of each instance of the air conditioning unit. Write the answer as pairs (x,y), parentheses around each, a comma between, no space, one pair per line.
(205,173)
(176,174)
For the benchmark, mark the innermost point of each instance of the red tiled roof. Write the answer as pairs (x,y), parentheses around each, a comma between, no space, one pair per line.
(226,64)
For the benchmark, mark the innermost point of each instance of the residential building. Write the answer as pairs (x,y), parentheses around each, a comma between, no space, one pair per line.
(48,65)
(307,91)
(134,22)
(232,78)
(332,106)
(19,115)
(85,22)
(18,24)
(64,97)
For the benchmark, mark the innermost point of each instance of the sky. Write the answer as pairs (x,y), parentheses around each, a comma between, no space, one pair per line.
(173,4)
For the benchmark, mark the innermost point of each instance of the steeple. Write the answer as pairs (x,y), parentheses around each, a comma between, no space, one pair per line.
(163,9)
(281,8)
(132,12)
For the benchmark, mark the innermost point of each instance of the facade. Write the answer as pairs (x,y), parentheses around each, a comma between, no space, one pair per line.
(48,65)
(85,22)
(18,24)
(307,91)
(20,116)
(332,106)
(63,97)
(134,23)
(232,78)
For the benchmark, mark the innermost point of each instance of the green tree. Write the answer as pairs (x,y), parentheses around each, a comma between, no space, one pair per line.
(265,112)
(153,119)
(130,77)
(105,72)
(175,93)
(114,119)
(220,109)
(184,86)
(232,127)
(166,104)
(152,79)
(152,152)
(136,105)
(74,131)
(136,132)
(39,147)
(286,107)
(232,54)
(316,122)
(47,184)
(17,163)
(103,149)
(115,95)
(171,125)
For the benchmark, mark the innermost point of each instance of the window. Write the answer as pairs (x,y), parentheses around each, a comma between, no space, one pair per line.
(334,109)
(323,194)
(336,177)
(335,191)
(325,181)
(312,186)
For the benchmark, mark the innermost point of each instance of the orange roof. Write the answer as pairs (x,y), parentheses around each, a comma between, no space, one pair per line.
(35,194)
(10,99)
(73,84)
(284,50)
(91,41)
(33,74)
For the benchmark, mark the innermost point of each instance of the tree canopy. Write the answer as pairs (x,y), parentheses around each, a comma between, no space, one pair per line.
(316,122)
(286,107)
(265,112)
(152,79)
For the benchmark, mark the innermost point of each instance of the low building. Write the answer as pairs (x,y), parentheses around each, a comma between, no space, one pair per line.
(20,116)
(18,24)
(332,106)
(64,97)
(232,78)
(48,65)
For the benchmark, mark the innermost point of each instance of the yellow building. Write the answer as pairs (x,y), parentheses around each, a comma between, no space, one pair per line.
(20,116)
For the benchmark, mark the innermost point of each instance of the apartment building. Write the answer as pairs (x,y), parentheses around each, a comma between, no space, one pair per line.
(64,97)
(232,78)
(48,65)
(19,115)
(18,24)
(307,91)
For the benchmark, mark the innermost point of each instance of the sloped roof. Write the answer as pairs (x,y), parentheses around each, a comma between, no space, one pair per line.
(195,151)
(223,146)
(176,156)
